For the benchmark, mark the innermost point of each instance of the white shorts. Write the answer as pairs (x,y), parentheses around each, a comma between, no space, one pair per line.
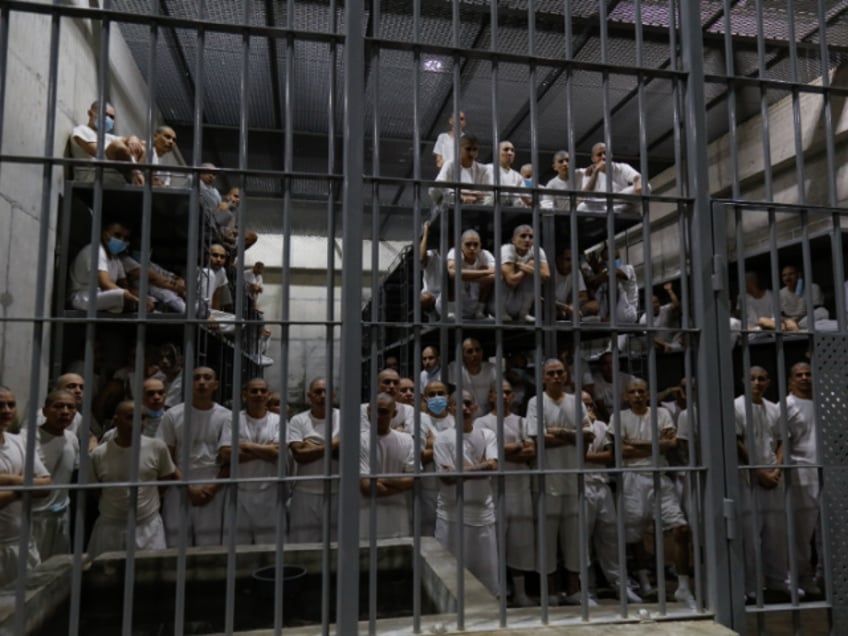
(9,560)
(110,535)
(51,532)
(479,550)
(562,522)
(638,490)
(205,523)
(520,529)
(306,517)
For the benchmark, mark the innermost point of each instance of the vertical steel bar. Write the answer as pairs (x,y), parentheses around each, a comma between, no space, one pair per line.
(709,391)
(347,593)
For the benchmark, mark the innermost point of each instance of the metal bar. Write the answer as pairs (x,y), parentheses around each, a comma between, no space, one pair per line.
(347,593)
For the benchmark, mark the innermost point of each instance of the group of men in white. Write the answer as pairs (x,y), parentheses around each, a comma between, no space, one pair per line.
(454,441)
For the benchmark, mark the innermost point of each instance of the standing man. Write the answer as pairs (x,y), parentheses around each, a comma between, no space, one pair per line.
(395,453)
(59,451)
(803,451)
(111,462)
(559,429)
(153,408)
(518,450)
(12,463)
(258,454)
(443,150)
(518,269)
(432,363)
(666,317)
(431,272)
(639,493)
(205,515)
(406,392)
(476,527)
(388,381)
(435,417)
(477,373)
(508,176)
(309,433)
(84,141)
(758,443)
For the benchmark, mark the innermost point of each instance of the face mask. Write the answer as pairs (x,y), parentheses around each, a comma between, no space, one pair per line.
(437,405)
(108,124)
(116,246)
(528,183)
(151,413)
(618,263)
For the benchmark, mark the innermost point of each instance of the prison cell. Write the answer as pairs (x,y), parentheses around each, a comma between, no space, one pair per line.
(325,115)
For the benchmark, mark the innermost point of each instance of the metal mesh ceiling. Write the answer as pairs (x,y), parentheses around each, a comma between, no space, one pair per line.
(315,72)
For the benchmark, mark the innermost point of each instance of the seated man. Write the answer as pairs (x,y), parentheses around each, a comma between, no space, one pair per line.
(164,141)
(666,317)
(559,182)
(225,217)
(253,281)
(469,172)
(395,453)
(211,281)
(759,306)
(110,462)
(508,176)
(477,277)
(626,308)
(564,290)
(519,268)
(165,287)
(793,298)
(84,142)
(112,294)
(625,180)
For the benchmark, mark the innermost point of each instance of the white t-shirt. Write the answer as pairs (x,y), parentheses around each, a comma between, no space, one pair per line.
(514,430)
(557,414)
(250,278)
(432,273)
(478,445)
(206,427)
(404,418)
(603,390)
(511,178)
(757,308)
(477,174)
(801,425)
(470,290)
(395,453)
(479,383)
(444,146)
(665,319)
(627,301)
(265,430)
(435,425)
(88,135)
(603,438)
(60,456)
(510,255)
(794,306)
(112,463)
(209,281)
(563,285)
(105,263)
(766,430)
(562,202)
(12,461)
(623,178)
(638,427)
(303,427)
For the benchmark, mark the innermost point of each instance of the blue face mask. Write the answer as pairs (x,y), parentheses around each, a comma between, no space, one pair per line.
(618,263)
(108,124)
(116,246)
(528,183)
(437,405)
(151,413)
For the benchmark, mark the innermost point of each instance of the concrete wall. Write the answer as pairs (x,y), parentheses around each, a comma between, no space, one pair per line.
(751,159)
(21,212)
